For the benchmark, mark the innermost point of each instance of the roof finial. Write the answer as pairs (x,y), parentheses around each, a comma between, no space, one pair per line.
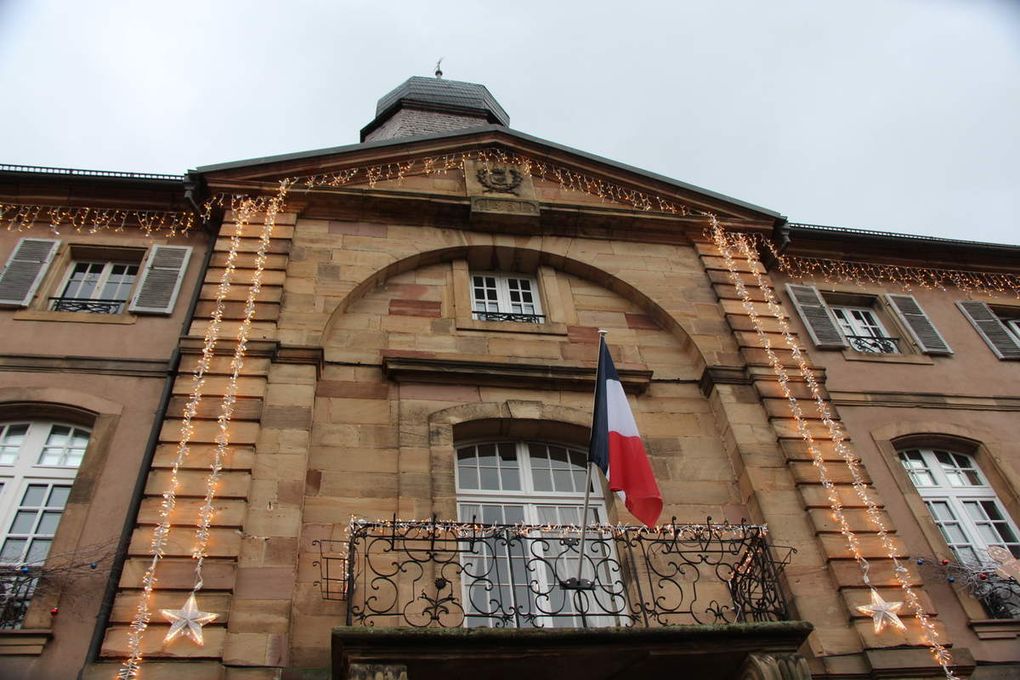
(439,70)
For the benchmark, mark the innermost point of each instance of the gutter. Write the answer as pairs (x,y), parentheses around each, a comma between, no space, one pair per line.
(120,556)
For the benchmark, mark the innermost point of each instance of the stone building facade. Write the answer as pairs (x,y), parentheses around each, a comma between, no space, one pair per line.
(424,350)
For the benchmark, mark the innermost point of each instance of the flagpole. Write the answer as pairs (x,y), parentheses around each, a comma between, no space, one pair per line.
(587,478)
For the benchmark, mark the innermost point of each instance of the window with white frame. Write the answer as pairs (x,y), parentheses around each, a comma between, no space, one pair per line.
(505,297)
(861,322)
(863,330)
(38,464)
(528,483)
(96,286)
(962,503)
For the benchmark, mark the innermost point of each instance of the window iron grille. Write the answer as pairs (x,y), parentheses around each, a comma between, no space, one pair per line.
(71,304)
(509,316)
(17,584)
(873,344)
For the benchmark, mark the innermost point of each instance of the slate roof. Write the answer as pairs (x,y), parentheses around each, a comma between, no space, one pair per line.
(447,94)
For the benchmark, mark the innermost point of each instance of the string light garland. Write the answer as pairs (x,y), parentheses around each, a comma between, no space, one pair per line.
(671,530)
(189,619)
(84,219)
(726,244)
(161,532)
(833,271)
(207,510)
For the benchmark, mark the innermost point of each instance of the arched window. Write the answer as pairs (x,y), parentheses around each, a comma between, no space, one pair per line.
(516,578)
(962,503)
(38,464)
(523,482)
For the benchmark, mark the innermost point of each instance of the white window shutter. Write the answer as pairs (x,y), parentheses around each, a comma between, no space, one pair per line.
(161,280)
(917,323)
(25,270)
(816,316)
(991,329)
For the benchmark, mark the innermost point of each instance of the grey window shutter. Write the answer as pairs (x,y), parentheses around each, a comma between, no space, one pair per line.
(25,270)
(991,329)
(816,316)
(928,338)
(161,280)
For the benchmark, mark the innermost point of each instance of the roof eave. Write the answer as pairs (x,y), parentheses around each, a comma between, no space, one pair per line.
(488,129)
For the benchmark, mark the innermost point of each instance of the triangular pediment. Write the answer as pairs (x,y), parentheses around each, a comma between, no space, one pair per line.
(489,165)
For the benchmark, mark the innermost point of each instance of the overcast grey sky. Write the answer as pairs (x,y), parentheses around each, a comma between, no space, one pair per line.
(883,114)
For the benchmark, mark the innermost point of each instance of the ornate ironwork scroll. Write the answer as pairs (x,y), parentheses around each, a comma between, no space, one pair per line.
(448,574)
(874,344)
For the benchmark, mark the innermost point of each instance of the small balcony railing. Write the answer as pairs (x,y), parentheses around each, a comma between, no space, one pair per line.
(873,344)
(1000,596)
(17,584)
(509,316)
(449,574)
(69,304)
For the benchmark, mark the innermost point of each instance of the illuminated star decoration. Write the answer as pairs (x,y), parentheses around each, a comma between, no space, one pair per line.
(188,621)
(882,612)
(1008,566)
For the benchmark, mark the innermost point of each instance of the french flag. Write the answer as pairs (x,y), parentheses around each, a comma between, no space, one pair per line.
(616,445)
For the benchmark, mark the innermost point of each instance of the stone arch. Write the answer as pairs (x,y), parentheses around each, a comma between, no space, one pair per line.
(511,258)
(509,418)
(55,402)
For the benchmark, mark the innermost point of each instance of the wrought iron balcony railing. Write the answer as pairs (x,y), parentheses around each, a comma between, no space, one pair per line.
(17,584)
(68,304)
(875,345)
(449,574)
(509,316)
(1000,596)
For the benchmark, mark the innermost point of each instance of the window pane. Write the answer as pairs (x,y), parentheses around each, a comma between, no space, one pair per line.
(487,454)
(48,525)
(489,478)
(35,494)
(558,458)
(11,438)
(954,534)
(542,479)
(966,555)
(511,479)
(23,522)
(58,497)
(514,514)
(38,551)
(941,511)
(13,549)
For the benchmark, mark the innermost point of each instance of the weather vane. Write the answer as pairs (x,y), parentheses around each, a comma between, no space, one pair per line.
(439,70)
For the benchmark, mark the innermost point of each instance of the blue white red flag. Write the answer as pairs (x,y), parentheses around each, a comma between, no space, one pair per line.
(616,446)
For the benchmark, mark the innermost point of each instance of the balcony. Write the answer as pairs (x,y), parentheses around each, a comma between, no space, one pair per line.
(17,585)
(431,600)
(70,304)
(434,574)
(874,344)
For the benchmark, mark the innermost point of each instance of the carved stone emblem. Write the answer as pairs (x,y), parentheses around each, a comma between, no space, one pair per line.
(503,179)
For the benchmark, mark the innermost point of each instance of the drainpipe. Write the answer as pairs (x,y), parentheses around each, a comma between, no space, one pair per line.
(120,556)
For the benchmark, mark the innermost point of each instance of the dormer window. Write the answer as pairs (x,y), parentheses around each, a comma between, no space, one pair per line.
(505,297)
